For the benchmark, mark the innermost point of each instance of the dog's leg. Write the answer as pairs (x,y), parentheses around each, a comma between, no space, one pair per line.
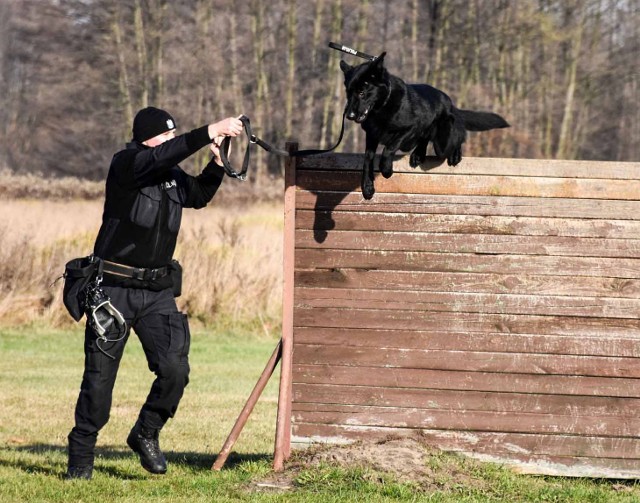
(419,154)
(442,138)
(368,188)
(457,138)
(455,157)
(386,162)
(449,138)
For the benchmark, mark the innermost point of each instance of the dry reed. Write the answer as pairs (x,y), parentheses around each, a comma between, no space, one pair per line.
(232,260)
(36,185)
(69,188)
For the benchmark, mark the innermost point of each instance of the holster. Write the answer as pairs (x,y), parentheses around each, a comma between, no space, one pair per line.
(176,277)
(78,273)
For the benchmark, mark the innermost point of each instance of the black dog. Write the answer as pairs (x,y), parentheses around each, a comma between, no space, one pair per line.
(406,117)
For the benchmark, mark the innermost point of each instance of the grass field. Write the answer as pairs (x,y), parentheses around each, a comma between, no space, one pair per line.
(232,257)
(40,372)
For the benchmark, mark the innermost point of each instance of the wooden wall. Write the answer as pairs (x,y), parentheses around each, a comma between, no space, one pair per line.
(493,306)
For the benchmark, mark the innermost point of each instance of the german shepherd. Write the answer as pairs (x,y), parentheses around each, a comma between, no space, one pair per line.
(406,117)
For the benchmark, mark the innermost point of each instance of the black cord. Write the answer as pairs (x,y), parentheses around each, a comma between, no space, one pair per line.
(104,338)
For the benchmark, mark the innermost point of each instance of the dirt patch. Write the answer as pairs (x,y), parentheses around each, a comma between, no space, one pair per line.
(406,459)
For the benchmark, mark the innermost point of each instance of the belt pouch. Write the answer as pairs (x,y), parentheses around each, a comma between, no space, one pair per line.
(78,273)
(175,270)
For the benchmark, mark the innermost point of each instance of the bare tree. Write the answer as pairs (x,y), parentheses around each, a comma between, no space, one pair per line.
(74,72)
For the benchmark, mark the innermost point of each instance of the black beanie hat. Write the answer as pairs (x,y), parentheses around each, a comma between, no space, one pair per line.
(150,122)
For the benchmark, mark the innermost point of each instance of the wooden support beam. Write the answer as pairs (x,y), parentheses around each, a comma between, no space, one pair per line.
(283,426)
(248,408)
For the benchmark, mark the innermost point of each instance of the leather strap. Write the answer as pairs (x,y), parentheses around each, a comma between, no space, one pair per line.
(224,149)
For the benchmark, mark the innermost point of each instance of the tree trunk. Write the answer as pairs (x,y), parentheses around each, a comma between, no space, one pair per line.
(141,51)
(262,105)
(332,73)
(414,40)
(309,128)
(123,77)
(356,132)
(236,91)
(564,141)
(291,35)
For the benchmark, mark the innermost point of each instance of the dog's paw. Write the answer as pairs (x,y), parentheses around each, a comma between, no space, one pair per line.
(415,160)
(455,157)
(386,167)
(368,190)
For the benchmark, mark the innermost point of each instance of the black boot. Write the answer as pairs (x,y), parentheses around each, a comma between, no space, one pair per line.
(79,472)
(144,442)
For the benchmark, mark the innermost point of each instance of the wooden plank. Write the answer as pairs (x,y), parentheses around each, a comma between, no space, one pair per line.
(493,306)
(489,341)
(433,359)
(485,166)
(513,422)
(434,281)
(543,305)
(466,400)
(465,322)
(282,447)
(601,209)
(466,224)
(567,466)
(468,262)
(476,381)
(482,442)
(477,185)
(488,244)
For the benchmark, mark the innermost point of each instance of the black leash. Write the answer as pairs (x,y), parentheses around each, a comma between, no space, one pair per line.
(226,143)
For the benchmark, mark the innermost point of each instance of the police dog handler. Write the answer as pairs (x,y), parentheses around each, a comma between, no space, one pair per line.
(145,193)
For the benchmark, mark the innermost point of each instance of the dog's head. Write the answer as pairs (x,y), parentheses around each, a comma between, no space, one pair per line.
(367,86)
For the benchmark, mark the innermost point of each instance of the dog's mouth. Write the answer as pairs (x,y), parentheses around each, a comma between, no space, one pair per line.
(362,116)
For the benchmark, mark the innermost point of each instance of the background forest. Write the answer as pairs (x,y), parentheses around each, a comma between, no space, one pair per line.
(565,73)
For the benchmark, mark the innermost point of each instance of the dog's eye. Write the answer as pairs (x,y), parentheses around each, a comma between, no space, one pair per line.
(361,94)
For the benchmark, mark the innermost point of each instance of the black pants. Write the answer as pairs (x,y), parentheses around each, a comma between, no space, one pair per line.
(164,334)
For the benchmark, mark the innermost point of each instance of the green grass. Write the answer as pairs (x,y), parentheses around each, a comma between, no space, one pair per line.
(40,372)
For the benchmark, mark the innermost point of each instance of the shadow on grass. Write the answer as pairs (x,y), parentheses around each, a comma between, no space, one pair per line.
(234,460)
(192,460)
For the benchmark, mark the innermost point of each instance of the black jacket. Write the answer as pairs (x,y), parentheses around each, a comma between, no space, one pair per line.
(145,193)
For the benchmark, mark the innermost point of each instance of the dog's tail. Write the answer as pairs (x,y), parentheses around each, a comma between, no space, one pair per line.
(481,121)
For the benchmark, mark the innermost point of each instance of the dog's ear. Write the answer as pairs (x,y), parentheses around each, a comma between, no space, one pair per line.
(377,67)
(344,66)
(379,60)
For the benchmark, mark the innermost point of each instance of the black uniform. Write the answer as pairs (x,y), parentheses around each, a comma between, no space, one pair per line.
(145,193)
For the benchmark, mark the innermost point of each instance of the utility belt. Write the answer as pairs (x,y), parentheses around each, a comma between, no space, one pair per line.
(139,273)
(169,276)
(80,273)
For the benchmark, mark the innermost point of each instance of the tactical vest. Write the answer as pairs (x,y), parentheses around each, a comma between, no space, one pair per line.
(140,226)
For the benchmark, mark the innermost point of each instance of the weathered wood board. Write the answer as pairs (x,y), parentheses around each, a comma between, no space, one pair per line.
(493,306)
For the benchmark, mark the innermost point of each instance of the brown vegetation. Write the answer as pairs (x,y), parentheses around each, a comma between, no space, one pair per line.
(409,459)
(37,186)
(232,259)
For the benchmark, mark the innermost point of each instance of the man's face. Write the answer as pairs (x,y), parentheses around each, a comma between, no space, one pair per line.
(160,139)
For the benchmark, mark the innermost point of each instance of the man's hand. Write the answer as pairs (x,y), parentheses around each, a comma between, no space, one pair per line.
(231,126)
(215,149)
